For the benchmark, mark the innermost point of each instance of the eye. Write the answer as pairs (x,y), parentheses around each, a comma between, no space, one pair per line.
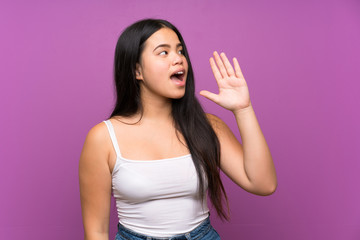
(181,52)
(163,53)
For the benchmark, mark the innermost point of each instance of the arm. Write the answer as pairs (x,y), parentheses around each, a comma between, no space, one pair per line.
(95,184)
(250,166)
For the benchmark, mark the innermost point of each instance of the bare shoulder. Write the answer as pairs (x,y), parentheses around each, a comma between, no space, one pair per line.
(97,142)
(214,120)
(219,126)
(97,134)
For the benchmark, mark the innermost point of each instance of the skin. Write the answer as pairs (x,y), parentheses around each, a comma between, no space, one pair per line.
(250,165)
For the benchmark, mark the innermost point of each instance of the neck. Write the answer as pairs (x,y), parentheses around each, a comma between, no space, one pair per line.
(156,108)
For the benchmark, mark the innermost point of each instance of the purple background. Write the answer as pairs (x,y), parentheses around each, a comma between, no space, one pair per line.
(299,58)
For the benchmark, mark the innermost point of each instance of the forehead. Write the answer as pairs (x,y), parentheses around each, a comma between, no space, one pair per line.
(162,36)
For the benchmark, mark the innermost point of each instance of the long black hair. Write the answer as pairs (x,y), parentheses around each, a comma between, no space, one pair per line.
(188,115)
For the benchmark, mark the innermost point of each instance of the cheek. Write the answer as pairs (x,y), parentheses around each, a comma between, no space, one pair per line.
(154,68)
(157,65)
(156,74)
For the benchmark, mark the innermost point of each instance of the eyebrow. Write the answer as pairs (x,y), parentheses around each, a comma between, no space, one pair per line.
(167,46)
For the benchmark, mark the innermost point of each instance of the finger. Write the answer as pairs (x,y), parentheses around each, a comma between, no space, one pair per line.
(215,70)
(229,68)
(237,69)
(220,64)
(209,95)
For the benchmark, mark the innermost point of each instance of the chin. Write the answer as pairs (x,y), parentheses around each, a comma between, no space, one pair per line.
(178,96)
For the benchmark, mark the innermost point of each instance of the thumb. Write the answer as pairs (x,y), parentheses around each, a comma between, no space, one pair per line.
(209,95)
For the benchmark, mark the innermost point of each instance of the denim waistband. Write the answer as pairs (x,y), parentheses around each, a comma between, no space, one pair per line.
(196,233)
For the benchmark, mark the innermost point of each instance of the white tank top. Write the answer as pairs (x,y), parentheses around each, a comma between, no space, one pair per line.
(156,197)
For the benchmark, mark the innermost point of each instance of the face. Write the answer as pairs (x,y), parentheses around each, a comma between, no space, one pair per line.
(162,69)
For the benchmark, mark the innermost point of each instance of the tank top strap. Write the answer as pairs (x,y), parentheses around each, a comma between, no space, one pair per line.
(111,130)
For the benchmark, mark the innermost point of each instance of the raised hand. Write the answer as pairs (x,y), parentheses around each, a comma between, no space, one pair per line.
(233,91)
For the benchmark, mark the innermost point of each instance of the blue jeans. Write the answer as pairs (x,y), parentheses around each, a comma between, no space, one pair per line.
(202,232)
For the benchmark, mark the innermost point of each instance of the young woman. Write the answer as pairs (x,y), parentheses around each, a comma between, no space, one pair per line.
(159,153)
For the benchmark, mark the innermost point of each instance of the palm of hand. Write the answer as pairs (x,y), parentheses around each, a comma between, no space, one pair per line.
(233,91)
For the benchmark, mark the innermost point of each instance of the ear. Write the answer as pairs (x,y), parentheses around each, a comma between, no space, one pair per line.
(138,72)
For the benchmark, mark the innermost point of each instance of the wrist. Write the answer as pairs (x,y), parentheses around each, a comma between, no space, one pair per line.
(244,110)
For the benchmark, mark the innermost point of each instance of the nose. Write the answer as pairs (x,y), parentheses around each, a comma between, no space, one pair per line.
(178,59)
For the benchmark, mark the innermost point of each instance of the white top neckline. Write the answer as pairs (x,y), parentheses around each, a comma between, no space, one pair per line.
(155,160)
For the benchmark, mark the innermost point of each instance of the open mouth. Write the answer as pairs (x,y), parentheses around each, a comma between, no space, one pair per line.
(178,76)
